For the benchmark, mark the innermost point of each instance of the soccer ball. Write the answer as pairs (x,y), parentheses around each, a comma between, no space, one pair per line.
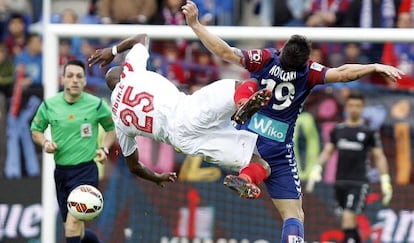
(85,202)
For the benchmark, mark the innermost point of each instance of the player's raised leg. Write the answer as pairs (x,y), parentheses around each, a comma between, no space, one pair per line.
(253,104)
(245,184)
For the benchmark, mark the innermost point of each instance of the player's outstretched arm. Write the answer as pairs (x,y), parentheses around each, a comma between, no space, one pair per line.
(139,169)
(106,55)
(351,72)
(212,42)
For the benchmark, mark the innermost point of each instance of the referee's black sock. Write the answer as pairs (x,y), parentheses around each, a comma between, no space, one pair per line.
(351,236)
(73,239)
(90,237)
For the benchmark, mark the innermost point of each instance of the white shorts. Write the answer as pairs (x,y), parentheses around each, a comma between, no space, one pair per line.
(204,127)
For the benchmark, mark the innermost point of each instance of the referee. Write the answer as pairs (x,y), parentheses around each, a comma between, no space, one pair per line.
(74,117)
(355,142)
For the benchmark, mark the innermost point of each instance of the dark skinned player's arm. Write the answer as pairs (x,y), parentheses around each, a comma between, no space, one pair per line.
(139,169)
(128,43)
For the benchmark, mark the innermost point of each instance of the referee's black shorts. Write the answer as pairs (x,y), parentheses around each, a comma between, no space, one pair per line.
(351,196)
(69,177)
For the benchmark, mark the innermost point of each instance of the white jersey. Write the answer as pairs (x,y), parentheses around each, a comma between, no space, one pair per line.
(145,103)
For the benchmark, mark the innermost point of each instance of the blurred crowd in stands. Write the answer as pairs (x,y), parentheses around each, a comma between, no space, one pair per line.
(186,63)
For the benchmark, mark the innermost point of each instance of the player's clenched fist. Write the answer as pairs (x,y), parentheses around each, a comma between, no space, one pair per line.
(190,11)
(49,146)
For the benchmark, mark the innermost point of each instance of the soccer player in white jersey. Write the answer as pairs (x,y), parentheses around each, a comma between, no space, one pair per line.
(145,103)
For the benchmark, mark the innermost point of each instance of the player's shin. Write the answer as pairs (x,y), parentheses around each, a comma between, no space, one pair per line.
(254,172)
(292,231)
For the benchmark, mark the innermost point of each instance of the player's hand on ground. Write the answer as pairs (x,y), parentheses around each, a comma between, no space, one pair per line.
(50,146)
(386,189)
(315,176)
(389,72)
(103,56)
(190,11)
(166,177)
(100,156)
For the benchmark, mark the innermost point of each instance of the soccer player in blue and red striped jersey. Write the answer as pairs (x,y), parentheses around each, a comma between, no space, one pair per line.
(290,76)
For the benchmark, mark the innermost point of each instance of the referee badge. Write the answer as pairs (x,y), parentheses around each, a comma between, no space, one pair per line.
(86,130)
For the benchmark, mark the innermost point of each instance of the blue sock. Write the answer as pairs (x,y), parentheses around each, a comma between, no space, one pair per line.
(73,239)
(90,237)
(292,231)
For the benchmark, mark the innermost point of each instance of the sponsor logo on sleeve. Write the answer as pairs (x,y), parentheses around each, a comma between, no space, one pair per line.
(255,56)
(316,66)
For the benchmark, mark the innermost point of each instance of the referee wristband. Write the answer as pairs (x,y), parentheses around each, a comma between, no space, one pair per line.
(105,149)
(114,50)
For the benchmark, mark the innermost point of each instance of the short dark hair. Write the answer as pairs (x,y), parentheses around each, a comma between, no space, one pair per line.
(18,16)
(74,62)
(295,53)
(355,95)
(32,36)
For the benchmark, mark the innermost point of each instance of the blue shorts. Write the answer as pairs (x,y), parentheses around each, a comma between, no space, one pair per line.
(69,177)
(283,182)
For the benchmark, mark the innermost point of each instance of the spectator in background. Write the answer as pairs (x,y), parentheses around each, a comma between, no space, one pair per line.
(17,32)
(69,16)
(31,59)
(372,14)
(37,8)
(170,64)
(203,70)
(208,9)
(65,54)
(23,7)
(327,13)
(317,55)
(169,13)
(94,75)
(407,6)
(6,86)
(401,55)
(7,7)
(27,96)
(126,11)
(286,13)
(352,54)
(6,72)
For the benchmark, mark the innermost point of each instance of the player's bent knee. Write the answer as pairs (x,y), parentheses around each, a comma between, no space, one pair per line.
(289,209)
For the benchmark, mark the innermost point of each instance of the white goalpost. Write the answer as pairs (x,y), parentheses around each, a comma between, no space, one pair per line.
(52,33)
